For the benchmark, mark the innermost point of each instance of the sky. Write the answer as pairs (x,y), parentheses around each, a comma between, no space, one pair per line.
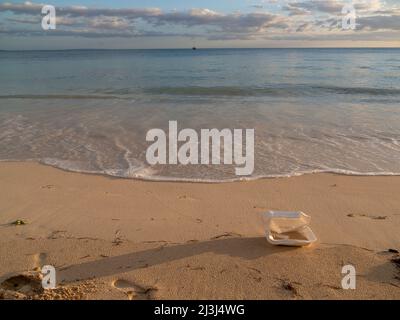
(142,24)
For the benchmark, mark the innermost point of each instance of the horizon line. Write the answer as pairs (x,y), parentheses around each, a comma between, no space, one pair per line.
(197,48)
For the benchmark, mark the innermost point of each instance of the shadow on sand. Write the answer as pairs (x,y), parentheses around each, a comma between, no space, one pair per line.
(245,248)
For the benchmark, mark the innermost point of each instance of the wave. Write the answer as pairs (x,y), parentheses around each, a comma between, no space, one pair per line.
(224,91)
(280,91)
(147,174)
(363,91)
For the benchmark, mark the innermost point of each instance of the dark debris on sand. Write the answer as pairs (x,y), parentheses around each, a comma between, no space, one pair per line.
(396,261)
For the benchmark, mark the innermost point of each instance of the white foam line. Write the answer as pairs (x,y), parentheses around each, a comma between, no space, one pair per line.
(141,176)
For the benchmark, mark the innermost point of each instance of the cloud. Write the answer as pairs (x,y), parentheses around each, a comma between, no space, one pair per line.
(391,22)
(235,22)
(155,16)
(296,11)
(78,11)
(304,26)
(307,7)
(114,19)
(89,33)
(110,23)
(333,7)
(293,18)
(66,33)
(32,20)
(22,8)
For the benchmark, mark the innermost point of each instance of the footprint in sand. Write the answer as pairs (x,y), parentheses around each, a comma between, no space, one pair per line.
(30,283)
(352,215)
(256,274)
(134,291)
(22,284)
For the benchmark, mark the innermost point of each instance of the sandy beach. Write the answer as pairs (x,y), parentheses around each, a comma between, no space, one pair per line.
(127,239)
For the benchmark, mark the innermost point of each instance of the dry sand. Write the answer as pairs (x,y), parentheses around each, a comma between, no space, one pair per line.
(125,239)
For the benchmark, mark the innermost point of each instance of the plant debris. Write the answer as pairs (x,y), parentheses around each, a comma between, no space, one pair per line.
(19,222)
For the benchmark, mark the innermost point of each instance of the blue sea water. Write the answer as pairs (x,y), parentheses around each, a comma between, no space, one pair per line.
(313,110)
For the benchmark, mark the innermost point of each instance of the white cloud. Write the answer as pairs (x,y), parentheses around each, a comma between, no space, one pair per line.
(295,18)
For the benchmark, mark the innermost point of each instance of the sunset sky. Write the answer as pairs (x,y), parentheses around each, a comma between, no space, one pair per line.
(184,23)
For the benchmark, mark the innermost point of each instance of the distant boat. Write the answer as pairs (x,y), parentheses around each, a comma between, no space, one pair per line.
(194,48)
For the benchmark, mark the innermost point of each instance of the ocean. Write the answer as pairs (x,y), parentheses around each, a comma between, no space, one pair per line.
(313,110)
